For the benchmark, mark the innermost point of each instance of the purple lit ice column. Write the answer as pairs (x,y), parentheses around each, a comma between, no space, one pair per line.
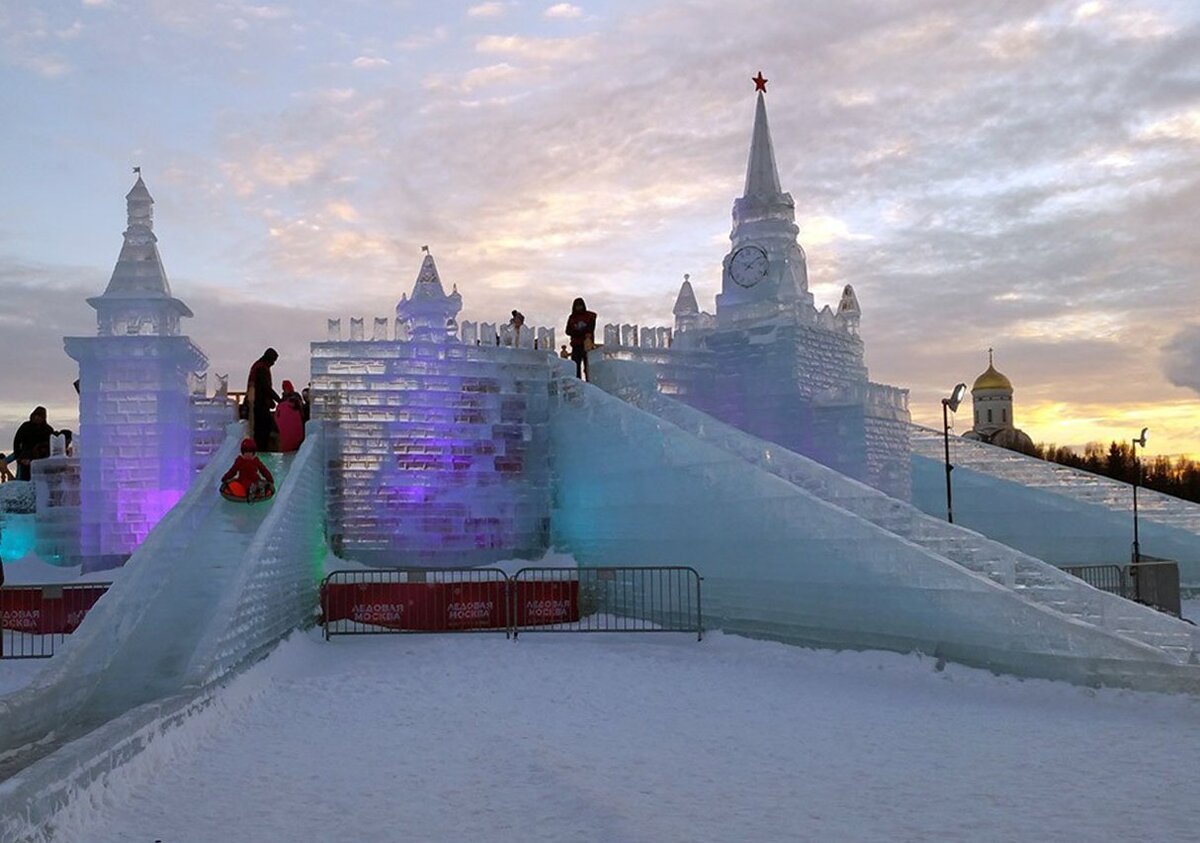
(135,436)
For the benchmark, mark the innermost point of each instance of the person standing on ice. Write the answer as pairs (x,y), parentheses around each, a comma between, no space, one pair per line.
(248,478)
(581,328)
(289,418)
(262,397)
(517,322)
(32,442)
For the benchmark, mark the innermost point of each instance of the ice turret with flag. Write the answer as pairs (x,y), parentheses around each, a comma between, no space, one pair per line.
(429,314)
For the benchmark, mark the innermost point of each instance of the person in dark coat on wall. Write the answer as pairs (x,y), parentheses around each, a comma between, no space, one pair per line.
(262,398)
(581,328)
(32,442)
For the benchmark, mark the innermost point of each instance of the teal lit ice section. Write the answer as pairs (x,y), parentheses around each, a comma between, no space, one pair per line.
(781,561)
(17,535)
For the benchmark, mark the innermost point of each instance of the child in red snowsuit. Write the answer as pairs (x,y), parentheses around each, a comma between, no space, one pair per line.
(248,478)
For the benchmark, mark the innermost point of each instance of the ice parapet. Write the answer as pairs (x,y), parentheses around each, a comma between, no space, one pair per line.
(780,562)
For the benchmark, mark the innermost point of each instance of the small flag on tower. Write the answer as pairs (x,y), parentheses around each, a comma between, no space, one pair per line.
(137,170)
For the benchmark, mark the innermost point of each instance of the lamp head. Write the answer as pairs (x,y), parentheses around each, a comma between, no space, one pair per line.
(956,397)
(1141,440)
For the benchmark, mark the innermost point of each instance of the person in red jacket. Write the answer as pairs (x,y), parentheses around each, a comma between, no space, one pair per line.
(289,418)
(581,328)
(248,478)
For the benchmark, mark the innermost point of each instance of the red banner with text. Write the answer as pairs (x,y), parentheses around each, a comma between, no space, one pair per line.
(445,606)
(41,610)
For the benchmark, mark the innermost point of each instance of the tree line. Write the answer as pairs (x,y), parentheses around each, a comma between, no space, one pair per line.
(1179,476)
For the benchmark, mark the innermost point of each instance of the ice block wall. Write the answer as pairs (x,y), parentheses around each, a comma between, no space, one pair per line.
(436,451)
(56,522)
(135,438)
(803,386)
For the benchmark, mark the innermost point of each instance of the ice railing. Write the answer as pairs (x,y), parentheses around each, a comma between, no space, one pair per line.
(502,334)
(1072,482)
(275,590)
(1035,579)
(634,486)
(60,691)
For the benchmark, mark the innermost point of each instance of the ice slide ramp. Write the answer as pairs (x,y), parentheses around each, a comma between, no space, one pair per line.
(214,583)
(793,551)
(1057,513)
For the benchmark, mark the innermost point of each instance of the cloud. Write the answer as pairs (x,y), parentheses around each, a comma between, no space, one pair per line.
(370,62)
(538,49)
(563,11)
(420,40)
(1181,358)
(487,10)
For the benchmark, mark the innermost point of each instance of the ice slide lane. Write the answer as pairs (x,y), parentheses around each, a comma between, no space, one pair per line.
(896,582)
(136,646)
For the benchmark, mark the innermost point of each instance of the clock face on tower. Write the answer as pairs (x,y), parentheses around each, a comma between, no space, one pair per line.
(748,266)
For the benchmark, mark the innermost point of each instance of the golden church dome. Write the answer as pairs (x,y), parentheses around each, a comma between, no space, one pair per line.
(991,379)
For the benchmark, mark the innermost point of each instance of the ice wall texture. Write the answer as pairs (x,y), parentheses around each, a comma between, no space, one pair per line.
(780,562)
(1057,513)
(803,386)
(210,571)
(437,450)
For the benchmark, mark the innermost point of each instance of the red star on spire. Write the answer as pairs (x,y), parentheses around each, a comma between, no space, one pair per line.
(760,84)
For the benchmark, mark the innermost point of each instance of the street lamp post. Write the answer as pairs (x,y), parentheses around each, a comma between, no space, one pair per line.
(1137,479)
(950,405)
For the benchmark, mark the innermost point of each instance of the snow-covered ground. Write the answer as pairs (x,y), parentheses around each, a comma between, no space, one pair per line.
(649,738)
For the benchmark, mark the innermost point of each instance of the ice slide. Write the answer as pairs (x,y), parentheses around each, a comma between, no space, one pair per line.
(178,616)
(792,550)
(1054,512)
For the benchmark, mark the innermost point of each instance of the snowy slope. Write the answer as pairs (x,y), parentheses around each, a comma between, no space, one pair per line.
(628,738)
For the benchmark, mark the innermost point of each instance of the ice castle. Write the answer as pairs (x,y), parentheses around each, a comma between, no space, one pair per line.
(749,444)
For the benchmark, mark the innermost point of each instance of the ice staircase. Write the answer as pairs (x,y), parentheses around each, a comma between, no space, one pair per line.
(1052,511)
(214,583)
(1024,577)
(1029,471)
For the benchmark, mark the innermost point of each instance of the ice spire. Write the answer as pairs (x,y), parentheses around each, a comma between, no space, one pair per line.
(762,176)
(429,312)
(685,303)
(138,296)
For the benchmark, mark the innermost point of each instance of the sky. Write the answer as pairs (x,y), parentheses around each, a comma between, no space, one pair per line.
(1017,176)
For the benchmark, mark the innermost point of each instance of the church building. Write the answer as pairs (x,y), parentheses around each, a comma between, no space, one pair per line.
(992,399)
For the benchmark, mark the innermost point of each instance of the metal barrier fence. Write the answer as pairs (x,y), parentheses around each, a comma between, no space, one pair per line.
(1108,578)
(620,599)
(623,599)
(1154,584)
(35,618)
(385,600)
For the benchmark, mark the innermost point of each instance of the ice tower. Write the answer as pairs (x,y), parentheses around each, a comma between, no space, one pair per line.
(436,448)
(135,417)
(773,364)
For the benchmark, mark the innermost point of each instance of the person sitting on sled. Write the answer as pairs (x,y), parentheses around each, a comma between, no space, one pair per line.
(248,478)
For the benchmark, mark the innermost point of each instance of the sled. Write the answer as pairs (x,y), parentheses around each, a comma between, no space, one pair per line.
(238,493)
